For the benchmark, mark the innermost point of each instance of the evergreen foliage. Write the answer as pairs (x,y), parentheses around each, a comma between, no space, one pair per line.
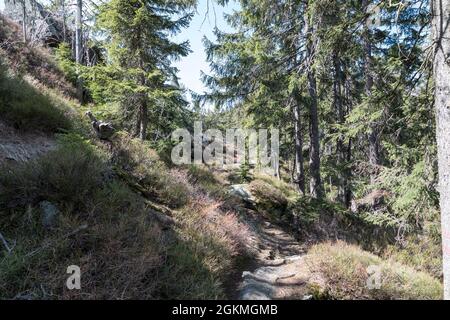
(137,72)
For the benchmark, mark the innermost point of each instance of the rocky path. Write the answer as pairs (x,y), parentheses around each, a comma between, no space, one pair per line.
(278,270)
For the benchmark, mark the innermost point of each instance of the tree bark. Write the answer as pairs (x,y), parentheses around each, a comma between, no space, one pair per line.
(79,46)
(24,21)
(341,149)
(143,115)
(64,19)
(314,149)
(373,136)
(298,136)
(441,32)
(295,101)
(348,155)
(137,126)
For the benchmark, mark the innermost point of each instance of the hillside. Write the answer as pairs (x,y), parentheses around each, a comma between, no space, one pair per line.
(140,227)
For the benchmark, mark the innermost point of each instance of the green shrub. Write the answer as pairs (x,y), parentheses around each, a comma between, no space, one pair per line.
(118,241)
(343,272)
(136,162)
(205,181)
(287,189)
(420,252)
(26,108)
(66,63)
(269,198)
(244,173)
(67,175)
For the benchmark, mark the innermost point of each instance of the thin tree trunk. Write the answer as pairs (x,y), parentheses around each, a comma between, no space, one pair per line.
(348,175)
(137,126)
(278,172)
(373,138)
(24,21)
(290,45)
(314,149)
(348,103)
(441,31)
(314,160)
(64,20)
(143,111)
(79,46)
(143,119)
(340,115)
(298,135)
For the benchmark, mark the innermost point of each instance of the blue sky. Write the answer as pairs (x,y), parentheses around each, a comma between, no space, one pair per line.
(202,25)
(190,67)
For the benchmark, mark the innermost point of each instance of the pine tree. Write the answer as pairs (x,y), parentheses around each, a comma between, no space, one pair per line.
(139,55)
(311,23)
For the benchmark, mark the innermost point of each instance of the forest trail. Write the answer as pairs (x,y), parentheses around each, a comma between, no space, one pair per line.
(278,270)
(21,147)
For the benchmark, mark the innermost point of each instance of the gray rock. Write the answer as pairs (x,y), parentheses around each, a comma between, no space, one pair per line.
(49,214)
(104,130)
(258,285)
(41,24)
(242,191)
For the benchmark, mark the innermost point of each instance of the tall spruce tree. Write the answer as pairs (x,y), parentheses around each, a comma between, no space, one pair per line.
(138,72)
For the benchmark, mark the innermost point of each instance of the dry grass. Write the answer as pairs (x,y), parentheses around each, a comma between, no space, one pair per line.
(103,227)
(269,198)
(123,253)
(343,273)
(211,241)
(287,189)
(35,61)
(136,162)
(119,254)
(207,238)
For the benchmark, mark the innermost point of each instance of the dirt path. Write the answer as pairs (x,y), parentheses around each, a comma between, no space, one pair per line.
(278,269)
(18,147)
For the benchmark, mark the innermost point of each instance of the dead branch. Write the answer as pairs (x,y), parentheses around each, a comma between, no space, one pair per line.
(5,243)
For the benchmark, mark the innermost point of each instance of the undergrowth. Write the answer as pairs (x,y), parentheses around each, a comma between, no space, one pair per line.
(344,271)
(105,226)
(25,108)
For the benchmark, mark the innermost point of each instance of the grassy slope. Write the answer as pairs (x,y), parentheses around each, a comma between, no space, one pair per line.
(110,199)
(108,226)
(343,271)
